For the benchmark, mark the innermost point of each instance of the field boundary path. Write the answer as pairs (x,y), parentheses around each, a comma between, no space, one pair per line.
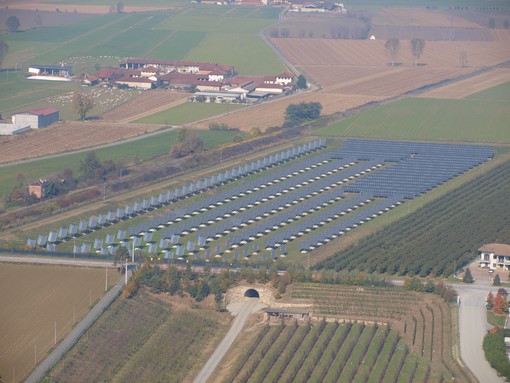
(70,340)
(243,310)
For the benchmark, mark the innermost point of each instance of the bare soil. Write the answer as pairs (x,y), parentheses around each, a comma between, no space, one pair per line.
(471,85)
(36,297)
(70,136)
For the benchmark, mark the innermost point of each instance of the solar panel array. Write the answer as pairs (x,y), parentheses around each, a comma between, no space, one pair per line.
(312,199)
(171,196)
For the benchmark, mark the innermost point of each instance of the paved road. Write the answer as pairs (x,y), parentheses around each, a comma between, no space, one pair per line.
(244,309)
(63,347)
(55,261)
(472,327)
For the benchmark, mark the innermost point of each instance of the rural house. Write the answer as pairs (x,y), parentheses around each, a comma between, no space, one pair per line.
(495,256)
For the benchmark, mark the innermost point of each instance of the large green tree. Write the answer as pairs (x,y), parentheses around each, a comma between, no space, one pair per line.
(305,111)
(12,23)
(120,255)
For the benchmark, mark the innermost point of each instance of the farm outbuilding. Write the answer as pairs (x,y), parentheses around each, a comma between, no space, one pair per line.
(36,118)
(10,129)
(50,70)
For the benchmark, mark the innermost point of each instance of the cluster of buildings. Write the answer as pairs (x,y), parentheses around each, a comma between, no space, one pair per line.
(295,5)
(210,82)
(32,119)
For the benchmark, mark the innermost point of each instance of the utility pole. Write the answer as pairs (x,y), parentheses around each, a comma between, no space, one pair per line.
(125,273)
(106,280)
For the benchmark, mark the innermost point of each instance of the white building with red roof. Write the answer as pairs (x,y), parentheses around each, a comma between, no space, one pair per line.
(36,118)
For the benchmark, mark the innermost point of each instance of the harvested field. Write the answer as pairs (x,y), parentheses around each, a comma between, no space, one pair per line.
(421,18)
(70,135)
(145,104)
(307,52)
(383,82)
(272,113)
(471,85)
(35,297)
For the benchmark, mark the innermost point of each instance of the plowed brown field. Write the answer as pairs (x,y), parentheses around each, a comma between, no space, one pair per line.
(70,135)
(272,113)
(33,299)
(302,52)
(420,18)
(471,85)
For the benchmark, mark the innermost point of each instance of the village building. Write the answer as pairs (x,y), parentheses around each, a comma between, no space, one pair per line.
(50,72)
(37,188)
(495,256)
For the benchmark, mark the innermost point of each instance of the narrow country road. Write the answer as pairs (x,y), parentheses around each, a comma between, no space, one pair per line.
(245,309)
(65,345)
(472,328)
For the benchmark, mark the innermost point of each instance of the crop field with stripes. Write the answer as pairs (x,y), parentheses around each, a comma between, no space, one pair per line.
(291,202)
(371,335)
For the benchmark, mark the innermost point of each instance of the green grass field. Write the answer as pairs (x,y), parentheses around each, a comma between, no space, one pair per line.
(143,149)
(470,120)
(188,112)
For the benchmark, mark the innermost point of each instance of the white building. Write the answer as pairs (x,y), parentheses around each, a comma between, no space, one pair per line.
(36,118)
(496,256)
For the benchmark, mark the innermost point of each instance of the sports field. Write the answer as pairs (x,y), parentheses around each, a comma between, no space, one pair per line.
(481,117)
(35,299)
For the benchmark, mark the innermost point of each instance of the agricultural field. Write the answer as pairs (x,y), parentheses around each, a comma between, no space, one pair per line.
(429,119)
(352,351)
(473,85)
(272,113)
(148,329)
(428,241)
(188,112)
(35,299)
(145,148)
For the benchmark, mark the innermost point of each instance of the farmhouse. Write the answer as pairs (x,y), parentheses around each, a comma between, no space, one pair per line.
(36,118)
(495,256)
(37,188)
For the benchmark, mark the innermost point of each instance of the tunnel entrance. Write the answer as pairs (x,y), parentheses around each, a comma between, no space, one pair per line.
(251,293)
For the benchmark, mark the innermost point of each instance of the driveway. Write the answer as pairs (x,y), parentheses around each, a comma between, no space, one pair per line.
(242,311)
(473,325)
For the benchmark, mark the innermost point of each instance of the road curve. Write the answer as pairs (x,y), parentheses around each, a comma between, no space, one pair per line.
(472,328)
(69,341)
(248,307)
